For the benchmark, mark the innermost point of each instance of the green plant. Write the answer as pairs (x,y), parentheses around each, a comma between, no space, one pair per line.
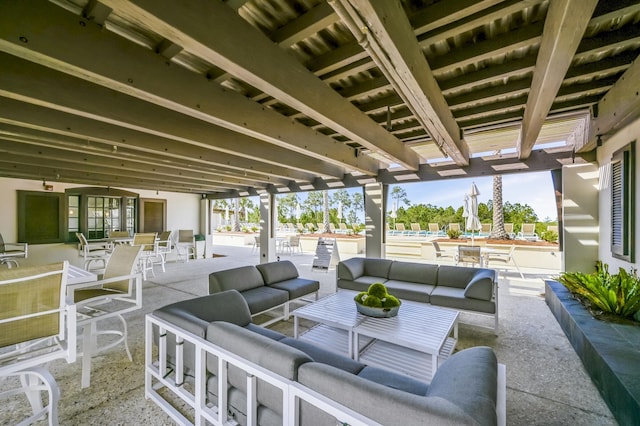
(254,229)
(198,237)
(245,229)
(227,227)
(549,236)
(454,234)
(377,297)
(617,294)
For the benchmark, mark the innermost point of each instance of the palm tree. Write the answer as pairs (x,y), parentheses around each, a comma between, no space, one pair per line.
(498,231)
(325,212)
(236,215)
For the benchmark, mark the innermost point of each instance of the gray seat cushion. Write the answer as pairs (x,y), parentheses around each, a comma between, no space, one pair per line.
(409,291)
(394,380)
(297,287)
(264,298)
(451,297)
(324,356)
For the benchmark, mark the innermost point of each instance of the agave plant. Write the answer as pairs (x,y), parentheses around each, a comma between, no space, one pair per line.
(618,294)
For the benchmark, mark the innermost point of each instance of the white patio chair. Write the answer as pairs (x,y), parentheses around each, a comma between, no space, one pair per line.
(186,244)
(147,241)
(118,292)
(505,257)
(98,251)
(469,254)
(291,244)
(37,325)
(441,253)
(164,246)
(9,252)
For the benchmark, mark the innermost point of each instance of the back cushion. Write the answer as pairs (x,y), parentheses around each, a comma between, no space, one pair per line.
(268,353)
(274,272)
(456,276)
(351,269)
(377,267)
(241,279)
(414,272)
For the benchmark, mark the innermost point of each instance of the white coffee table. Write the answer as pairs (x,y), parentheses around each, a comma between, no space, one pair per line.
(399,343)
(418,329)
(337,311)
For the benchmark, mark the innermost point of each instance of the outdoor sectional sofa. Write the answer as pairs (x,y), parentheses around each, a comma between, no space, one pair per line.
(468,289)
(265,287)
(253,375)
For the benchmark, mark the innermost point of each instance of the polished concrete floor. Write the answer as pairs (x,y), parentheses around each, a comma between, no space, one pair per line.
(546,382)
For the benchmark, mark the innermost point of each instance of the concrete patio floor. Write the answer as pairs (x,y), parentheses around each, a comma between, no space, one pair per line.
(546,382)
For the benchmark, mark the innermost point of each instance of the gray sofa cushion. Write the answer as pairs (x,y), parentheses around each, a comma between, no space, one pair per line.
(274,272)
(267,332)
(451,297)
(241,279)
(264,298)
(279,358)
(394,380)
(457,276)
(374,400)
(194,315)
(297,287)
(318,354)
(377,267)
(414,272)
(469,380)
(481,285)
(360,284)
(409,290)
(350,269)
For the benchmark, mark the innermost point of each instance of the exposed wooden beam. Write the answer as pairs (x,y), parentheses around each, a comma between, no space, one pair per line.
(213,31)
(99,135)
(55,39)
(621,105)
(564,28)
(389,39)
(313,21)
(32,83)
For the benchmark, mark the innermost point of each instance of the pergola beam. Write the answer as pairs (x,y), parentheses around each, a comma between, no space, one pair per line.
(385,32)
(55,39)
(564,28)
(213,31)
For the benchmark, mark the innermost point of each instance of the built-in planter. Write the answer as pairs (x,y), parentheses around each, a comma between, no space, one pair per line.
(233,238)
(346,245)
(609,351)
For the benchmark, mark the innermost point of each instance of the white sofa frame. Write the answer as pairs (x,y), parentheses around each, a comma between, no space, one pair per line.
(159,374)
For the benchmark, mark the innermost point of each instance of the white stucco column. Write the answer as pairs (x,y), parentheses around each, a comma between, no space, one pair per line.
(580,188)
(267,228)
(375,195)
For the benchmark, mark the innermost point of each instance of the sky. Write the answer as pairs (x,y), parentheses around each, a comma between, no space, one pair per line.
(534,189)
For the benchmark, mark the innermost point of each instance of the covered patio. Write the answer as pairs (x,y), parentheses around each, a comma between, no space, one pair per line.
(159,108)
(546,382)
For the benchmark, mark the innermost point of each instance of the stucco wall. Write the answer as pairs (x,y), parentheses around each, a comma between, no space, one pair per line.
(621,138)
(183,210)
